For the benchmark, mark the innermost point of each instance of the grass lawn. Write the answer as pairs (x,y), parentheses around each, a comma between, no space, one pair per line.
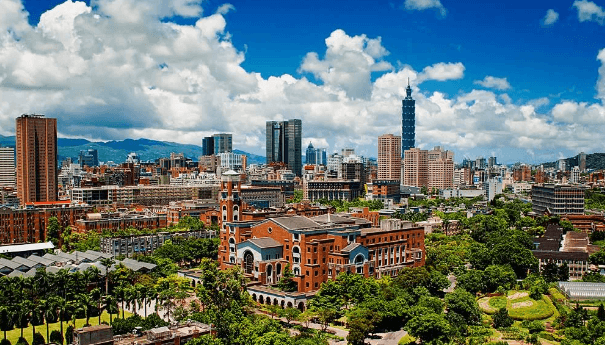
(539,310)
(497,302)
(14,334)
(406,339)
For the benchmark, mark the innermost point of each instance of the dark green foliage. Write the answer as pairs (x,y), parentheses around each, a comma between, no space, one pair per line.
(497,275)
(601,312)
(287,283)
(430,328)
(38,339)
(5,342)
(22,341)
(53,230)
(362,322)
(553,273)
(464,304)
(343,206)
(502,319)
(123,326)
(537,289)
(472,281)
(56,337)
(69,334)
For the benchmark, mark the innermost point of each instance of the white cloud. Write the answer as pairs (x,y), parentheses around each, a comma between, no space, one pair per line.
(106,77)
(589,11)
(601,80)
(550,18)
(442,71)
(421,5)
(348,63)
(493,83)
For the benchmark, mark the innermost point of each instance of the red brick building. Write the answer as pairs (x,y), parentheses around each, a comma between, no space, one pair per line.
(315,251)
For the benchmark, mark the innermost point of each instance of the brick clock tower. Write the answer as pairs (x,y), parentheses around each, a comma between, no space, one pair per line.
(231,208)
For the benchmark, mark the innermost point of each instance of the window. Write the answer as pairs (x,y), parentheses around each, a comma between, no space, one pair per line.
(308,249)
(307,273)
(315,261)
(309,261)
(316,285)
(307,284)
(296,237)
(316,273)
(315,250)
(269,230)
(287,246)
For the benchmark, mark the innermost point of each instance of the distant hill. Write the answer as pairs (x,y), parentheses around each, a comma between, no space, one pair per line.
(117,151)
(594,161)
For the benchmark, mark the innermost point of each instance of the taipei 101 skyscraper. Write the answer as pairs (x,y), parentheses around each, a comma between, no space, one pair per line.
(408,121)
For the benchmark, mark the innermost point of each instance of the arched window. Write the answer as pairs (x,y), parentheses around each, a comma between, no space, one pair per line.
(296,254)
(296,271)
(232,245)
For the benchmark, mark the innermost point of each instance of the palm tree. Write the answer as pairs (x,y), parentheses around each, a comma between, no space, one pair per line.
(107,262)
(120,293)
(62,306)
(110,304)
(97,296)
(50,312)
(84,302)
(22,314)
(6,319)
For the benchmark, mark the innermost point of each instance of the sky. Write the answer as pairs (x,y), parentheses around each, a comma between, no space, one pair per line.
(524,81)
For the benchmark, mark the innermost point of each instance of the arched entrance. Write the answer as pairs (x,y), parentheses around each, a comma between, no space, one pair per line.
(248,262)
(269,274)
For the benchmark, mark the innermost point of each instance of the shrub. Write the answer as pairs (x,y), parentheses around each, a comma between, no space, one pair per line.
(38,339)
(502,319)
(5,342)
(22,341)
(56,337)
(69,334)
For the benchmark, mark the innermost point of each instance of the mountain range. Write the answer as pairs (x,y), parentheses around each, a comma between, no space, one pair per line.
(117,151)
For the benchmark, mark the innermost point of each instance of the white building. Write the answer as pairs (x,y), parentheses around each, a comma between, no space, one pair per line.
(492,187)
(230,161)
(7,167)
(575,175)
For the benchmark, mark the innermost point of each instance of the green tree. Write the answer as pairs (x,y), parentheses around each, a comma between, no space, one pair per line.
(6,319)
(287,283)
(290,314)
(472,281)
(463,303)
(53,230)
(223,296)
(431,328)
(502,319)
(362,322)
(56,337)
(498,275)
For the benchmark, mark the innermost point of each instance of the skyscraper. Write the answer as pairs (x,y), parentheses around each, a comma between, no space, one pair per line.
(223,143)
(284,143)
(207,146)
(408,121)
(389,157)
(310,156)
(89,158)
(582,161)
(36,146)
(7,167)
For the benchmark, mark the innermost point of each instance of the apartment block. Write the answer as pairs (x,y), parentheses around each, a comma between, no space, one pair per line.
(389,157)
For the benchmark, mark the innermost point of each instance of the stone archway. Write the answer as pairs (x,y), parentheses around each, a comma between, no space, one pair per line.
(261,299)
(282,304)
(254,297)
(289,305)
(275,301)
(301,306)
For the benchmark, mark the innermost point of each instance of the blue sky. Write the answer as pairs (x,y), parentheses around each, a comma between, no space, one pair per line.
(479,67)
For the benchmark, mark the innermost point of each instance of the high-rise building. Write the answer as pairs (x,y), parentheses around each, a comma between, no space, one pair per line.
(575,175)
(480,163)
(89,158)
(36,146)
(389,157)
(207,146)
(582,161)
(347,151)
(7,167)
(432,169)
(223,142)
(284,143)
(310,155)
(415,167)
(563,164)
(491,162)
(315,156)
(408,121)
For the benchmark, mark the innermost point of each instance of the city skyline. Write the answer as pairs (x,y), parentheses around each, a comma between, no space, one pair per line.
(201,76)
